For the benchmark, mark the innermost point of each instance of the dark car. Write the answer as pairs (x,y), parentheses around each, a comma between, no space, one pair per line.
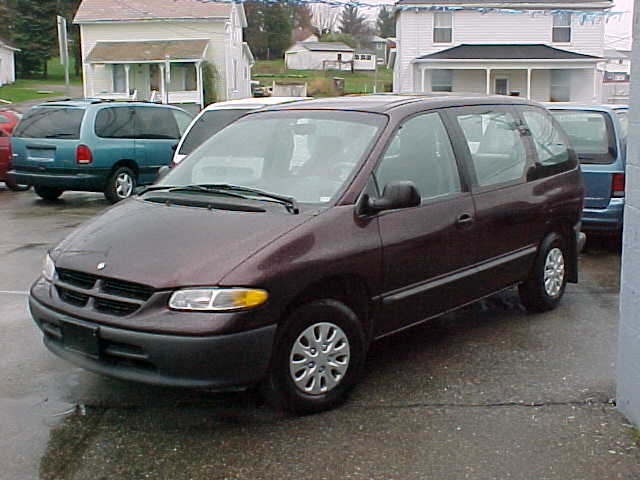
(282,247)
(90,145)
(5,162)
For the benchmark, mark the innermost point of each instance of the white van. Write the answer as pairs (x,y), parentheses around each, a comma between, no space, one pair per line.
(217,116)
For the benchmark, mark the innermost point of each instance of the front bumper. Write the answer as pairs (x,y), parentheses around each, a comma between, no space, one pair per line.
(220,362)
(95,180)
(604,220)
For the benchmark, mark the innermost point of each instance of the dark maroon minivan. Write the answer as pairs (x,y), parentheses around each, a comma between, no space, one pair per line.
(283,246)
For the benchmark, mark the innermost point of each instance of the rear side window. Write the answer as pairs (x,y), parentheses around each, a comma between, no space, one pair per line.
(591,134)
(155,123)
(421,152)
(3,119)
(549,142)
(51,122)
(496,147)
(115,122)
(207,126)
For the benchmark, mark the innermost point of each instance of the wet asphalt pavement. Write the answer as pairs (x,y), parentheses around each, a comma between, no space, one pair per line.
(487,393)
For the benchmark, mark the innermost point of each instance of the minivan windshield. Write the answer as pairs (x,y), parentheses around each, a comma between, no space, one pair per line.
(591,134)
(207,125)
(51,122)
(303,154)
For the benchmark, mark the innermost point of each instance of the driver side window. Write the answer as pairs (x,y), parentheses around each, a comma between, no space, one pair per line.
(421,152)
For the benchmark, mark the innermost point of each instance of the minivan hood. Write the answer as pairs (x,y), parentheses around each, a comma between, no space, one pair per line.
(170,246)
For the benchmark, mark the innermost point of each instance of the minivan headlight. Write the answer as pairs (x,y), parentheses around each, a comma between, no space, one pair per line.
(48,268)
(216,299)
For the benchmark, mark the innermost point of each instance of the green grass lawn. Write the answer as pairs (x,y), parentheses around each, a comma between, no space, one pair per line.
(27,90)
(267,71)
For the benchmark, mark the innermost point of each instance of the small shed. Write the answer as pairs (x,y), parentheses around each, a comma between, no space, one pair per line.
(7,62)
(317,55)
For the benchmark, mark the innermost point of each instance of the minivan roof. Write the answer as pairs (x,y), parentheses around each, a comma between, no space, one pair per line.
(600,107)
(383,103)
(253,103)
(84,102)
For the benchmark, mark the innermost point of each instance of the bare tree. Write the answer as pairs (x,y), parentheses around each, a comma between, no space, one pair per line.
(325,18)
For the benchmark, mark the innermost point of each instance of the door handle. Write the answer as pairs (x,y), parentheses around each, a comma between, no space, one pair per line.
(465,220)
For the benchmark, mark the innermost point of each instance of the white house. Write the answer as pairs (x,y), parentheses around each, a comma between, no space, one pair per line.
(7,62)
(540,49)
(309,55)
(157,49)
(617,72)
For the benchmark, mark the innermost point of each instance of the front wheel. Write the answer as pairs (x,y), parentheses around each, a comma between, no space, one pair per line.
(317,360)
(48,193)
(545,286)
(120,185)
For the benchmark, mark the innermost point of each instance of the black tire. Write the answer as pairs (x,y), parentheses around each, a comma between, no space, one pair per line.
(279,388)
(534,295)
(114,191)
(48,193)
(11,185)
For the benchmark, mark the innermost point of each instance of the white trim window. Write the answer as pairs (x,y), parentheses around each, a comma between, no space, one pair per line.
(560,86)
(442,27)
(441,80)
(561,28)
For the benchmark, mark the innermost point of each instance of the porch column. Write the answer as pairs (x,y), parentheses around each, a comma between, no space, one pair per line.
(595,84)
(423,86)
(200,83)
(488,72)
(127,67)
(89,85)
(167,80)
(163,85)
(529,83)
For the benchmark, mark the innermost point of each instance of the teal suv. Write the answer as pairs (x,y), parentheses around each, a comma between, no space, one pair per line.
(94,146)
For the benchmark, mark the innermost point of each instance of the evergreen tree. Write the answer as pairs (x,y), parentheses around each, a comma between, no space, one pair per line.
(302,16)
(6,19)
(386,23)
(34,34)
(353,23)
(254,34)
(277,25)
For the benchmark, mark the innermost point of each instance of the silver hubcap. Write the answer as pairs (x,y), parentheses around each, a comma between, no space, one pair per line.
(319,358)
(554,272)
(124,185)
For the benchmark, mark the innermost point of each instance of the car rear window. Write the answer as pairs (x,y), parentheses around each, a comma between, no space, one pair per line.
(51,122)
(591,134)
(3,119)
(208,125)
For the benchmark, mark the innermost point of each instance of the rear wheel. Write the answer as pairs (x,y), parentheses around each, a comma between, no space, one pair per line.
(545,286)
(48,193)
(120,185)
(15,186)
(318,358)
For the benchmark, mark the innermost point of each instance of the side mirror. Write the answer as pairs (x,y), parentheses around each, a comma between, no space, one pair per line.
(398,194)
(174,147)
(162,172)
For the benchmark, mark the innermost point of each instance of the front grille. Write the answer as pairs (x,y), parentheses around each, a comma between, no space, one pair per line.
(77,279)
(126,289)
(72,297)
(114,307)
(105,295)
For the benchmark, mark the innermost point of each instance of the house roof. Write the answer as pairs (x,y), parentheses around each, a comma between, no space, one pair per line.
(4,43)
(131,10)
(505,52)
(147,51)
(327,46)
(613,53)
(533,4)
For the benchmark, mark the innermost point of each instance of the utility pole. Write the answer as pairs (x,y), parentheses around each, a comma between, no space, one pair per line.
(628,362)
(63,43)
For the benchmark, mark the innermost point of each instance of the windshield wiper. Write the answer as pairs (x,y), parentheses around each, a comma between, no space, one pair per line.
(289,202)
(226,189)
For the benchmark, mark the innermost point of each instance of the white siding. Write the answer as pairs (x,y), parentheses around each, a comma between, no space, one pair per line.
(541,85)
(415,36)
(7,66)
(471,81)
